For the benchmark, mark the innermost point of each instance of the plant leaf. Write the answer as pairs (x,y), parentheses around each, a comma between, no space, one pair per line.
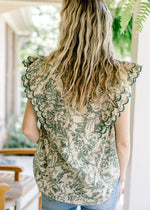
(126,15)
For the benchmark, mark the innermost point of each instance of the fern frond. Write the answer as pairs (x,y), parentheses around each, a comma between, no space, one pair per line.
(126,14)
(144,12)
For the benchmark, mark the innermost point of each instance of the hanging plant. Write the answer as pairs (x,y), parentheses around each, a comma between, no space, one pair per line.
(122,42)
(144,12)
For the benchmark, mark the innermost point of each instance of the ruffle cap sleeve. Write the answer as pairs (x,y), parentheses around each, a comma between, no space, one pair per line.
(133,71)
(34,81)
(117,98)
(30,59)
(40,88)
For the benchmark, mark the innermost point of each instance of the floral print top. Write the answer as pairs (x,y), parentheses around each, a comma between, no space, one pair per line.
(76,159)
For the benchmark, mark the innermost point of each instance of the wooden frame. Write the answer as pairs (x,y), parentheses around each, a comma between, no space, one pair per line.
(3,186)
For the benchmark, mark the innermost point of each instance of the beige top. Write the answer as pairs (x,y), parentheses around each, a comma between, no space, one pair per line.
(75,161)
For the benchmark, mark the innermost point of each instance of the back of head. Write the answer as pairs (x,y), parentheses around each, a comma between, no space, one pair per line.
(84,55)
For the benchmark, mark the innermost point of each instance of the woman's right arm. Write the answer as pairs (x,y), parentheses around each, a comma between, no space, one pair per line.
(122,128)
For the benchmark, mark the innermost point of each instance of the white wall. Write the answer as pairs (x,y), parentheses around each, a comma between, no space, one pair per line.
(8,5)
(17,76)
(31,1)
(2,69)
(2,79)
(137,192)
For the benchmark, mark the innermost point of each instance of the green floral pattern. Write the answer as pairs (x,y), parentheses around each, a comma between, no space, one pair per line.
(76,159)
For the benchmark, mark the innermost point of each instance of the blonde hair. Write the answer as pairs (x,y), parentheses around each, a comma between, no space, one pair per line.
(84,57)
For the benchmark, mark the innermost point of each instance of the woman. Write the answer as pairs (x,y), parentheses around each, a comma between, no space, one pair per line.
(80,95)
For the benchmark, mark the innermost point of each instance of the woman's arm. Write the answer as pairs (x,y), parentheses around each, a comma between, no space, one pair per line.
(29,126)
(122,127)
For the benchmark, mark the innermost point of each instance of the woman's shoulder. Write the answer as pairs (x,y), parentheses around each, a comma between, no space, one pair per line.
(118,95)
(127,64)
(32,58)
(133,70)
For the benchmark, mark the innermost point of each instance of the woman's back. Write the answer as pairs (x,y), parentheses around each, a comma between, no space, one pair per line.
(78,92)
(76,159)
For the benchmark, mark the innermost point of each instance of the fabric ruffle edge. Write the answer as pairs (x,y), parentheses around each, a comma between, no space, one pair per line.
(32,64)
(111,108)
(117,99)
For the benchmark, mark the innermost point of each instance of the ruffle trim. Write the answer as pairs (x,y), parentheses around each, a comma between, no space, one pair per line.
(133,71)
(38,94)
(31,80)
(118,98)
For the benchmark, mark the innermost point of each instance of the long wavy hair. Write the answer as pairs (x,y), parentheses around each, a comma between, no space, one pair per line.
(84,57)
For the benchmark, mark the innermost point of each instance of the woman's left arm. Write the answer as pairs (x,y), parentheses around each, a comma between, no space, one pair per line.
(29,126)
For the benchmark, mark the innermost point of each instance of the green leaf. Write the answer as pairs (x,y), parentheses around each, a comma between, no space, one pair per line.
(126,15)
(144,12)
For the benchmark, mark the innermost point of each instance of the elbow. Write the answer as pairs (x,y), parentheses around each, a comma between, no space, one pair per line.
(125,144)
(25,132)
(123,140)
